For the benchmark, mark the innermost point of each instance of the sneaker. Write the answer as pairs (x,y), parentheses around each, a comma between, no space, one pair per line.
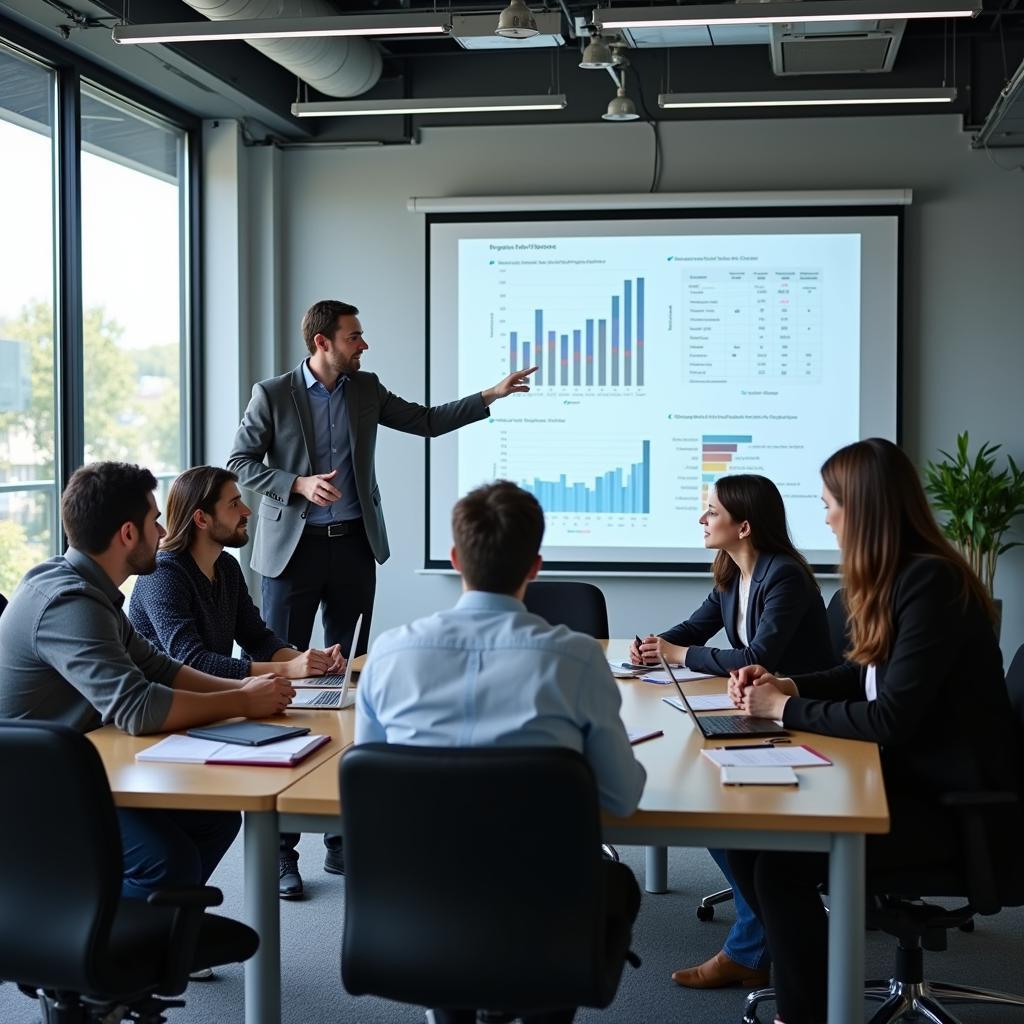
(289,885)
(334,860)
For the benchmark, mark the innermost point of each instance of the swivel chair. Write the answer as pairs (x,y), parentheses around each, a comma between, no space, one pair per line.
(580,606)
(475,882)
(67,937)
(990,827)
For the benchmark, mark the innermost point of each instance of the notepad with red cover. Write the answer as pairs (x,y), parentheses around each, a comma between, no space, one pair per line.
(189,750)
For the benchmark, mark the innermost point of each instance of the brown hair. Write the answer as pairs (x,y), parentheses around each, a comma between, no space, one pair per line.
(197,488)
(322,318)
(746,496)
(886,521)
(497,529)
(100,498)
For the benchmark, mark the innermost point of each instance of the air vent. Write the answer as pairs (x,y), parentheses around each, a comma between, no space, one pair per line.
(818,53)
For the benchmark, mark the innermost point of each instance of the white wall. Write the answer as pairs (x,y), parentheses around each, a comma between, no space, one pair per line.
(345,233)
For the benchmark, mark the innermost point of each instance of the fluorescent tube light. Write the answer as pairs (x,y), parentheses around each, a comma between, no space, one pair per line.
(440,105)
(810,98)
(282,28)
(780,12)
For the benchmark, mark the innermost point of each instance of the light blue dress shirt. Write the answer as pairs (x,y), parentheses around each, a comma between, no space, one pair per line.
(332,448)
(488,673)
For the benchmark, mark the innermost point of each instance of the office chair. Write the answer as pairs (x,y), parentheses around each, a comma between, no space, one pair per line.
(989,877)
(475,880)
(580,606)
(838,625)
(67,937)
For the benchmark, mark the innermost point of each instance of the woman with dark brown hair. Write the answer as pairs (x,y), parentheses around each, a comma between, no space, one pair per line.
(768,602)
(923,678)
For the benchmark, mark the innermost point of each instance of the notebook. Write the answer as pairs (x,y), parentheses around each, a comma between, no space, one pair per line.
(319,699)
(190,750)
(726,725)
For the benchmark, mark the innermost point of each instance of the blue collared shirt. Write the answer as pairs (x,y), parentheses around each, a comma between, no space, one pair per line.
(488,673)
(333,448)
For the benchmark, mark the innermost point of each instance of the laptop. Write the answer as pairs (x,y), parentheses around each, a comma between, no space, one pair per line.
(320,699)
(719,726)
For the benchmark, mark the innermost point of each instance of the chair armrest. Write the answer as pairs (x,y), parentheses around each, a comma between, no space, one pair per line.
(980,816)
(188,905)
(197,896)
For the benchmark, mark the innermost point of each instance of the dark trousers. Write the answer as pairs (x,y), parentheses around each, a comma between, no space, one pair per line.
(340,574)
(622,896)
(782,889)
(167,849)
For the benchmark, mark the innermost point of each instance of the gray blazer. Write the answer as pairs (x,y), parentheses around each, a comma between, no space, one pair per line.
(274,445)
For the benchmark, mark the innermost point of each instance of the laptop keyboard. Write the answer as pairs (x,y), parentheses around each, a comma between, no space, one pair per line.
(328,698)
(736,725)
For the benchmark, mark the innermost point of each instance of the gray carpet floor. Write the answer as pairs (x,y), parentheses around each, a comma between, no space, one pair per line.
(667,936)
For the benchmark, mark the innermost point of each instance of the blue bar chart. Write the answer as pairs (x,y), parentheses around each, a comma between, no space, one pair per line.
(602,351)
(623,489)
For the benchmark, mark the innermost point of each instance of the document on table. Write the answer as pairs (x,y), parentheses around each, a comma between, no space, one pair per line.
(189,750)
(710,702)
(684,675)
(766,756)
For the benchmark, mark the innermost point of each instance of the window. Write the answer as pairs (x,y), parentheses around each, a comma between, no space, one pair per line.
(28,489)
(94,348)
(134,295)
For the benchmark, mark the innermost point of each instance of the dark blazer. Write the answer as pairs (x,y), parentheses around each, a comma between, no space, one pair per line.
(274,445)
(942,713)
(786,625)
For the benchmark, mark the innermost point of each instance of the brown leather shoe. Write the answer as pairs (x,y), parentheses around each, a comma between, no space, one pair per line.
(719,972)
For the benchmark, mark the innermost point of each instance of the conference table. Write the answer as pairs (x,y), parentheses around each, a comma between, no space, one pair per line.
(684,804)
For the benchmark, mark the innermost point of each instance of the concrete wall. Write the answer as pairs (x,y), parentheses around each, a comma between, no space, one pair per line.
(345,233)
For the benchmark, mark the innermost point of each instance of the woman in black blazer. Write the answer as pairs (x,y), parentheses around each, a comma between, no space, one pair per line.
(767,599)
(923,678)
(785,626)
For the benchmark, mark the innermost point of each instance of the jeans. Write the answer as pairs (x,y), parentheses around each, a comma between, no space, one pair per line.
(167,849)
(746,943)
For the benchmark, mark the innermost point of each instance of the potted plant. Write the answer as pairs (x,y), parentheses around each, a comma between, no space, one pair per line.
(980,503)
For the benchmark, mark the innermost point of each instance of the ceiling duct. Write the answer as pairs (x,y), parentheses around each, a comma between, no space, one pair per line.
(827,49)
(338,67)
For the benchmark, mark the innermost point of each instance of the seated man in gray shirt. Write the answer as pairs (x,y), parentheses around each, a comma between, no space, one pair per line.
(68,654)
(489,673)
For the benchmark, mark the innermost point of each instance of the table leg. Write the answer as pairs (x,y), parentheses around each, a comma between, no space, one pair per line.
(846,930)
(656,868)
(262,971)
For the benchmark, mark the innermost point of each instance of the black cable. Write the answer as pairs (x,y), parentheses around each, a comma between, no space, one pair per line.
(655,128)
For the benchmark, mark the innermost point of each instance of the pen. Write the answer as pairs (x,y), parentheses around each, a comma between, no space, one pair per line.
(753,746)
(673,703)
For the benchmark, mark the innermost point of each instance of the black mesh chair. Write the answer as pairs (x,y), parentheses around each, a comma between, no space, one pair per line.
(67,937)
(838,625)
(580,606)
(990,829)
(475,882)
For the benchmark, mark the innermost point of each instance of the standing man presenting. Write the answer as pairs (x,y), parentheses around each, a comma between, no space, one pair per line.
(306,445)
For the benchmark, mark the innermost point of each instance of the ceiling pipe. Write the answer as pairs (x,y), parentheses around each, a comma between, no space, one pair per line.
(338,67)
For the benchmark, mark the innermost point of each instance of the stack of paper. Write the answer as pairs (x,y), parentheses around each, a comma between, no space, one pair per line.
(189,750)
(765,756)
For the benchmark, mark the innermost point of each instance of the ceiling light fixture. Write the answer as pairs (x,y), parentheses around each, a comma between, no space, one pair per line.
(596,55)
(780,12)
(282,28)
(809,98)
(439,105)
(476,32)
(516,21)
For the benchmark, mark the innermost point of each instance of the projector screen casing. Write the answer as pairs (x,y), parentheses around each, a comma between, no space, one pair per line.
(878,398)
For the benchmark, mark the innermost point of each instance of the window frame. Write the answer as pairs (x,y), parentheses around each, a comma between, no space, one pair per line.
(70,70)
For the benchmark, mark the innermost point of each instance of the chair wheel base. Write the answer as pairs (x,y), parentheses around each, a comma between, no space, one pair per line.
(705,913)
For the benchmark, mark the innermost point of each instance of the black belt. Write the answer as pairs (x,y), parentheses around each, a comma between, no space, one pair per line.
(334,529)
